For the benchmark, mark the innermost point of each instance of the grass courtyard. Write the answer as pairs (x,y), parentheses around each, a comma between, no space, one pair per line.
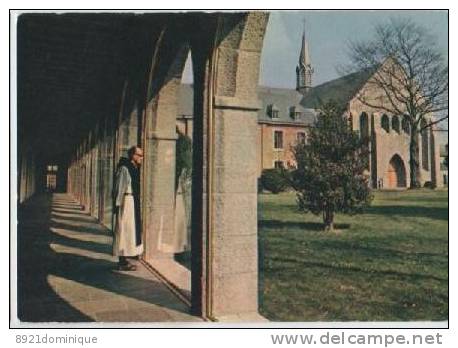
(388,264)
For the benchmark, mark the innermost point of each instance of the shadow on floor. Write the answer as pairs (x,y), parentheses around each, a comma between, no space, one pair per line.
(409,211)
(307,226)
(92,268)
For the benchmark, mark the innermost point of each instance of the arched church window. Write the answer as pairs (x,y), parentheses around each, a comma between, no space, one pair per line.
(406,125)
(386,123)
(395,123)
(364,125)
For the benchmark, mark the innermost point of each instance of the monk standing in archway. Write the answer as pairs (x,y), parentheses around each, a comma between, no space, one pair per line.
(127,241)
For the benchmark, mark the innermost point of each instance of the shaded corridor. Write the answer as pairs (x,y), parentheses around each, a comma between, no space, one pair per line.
(66,272)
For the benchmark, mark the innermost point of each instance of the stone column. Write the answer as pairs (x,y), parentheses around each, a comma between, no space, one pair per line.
(159,165)
(128,134)
(224,189)
(160,148)
(94,199)
(108,173)
(234,243)
(373,153)
(434,160)
(159,173)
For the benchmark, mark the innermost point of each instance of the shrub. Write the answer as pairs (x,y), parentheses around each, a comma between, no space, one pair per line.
(273,180)
(429,184)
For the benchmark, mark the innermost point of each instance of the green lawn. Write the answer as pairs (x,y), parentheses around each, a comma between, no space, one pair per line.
(388,264)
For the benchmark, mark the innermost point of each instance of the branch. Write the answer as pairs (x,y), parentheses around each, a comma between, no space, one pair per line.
(386,93)
(433,123)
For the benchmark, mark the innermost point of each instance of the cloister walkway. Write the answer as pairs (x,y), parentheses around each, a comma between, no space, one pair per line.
(66,272)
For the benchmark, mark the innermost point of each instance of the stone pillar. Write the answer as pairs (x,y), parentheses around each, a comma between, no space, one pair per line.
(159,164)
(23,177)
(94,198)
(159,169)
(234,243)
(434,160)
(373,154)
(161,240)
(128,133)
(108,172)
(224,188)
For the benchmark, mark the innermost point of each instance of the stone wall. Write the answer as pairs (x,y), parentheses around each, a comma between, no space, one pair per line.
(388,144)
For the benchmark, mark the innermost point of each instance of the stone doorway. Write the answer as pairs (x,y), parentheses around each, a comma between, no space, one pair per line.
(396,173)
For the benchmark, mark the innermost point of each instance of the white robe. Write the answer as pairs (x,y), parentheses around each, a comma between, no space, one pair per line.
(124,241)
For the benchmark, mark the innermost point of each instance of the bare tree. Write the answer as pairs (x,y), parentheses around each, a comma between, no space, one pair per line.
(410,76)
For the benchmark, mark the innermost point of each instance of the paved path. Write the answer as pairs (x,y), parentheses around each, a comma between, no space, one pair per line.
(66,272)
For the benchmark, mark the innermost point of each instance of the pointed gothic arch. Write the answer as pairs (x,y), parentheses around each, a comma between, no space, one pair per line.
(396,173)
(364,125)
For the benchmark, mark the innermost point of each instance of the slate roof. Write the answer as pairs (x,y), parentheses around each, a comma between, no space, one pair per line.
(281,98)
(341,90)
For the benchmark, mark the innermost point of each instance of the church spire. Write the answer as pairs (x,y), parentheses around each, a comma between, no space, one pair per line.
(304,57)
(304,69)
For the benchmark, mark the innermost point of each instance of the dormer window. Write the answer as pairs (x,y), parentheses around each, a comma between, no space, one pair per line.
(294,113)
(272,111)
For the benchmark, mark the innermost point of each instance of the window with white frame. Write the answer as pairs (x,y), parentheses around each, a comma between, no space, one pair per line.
(294,113)
(272,111)
(278,139)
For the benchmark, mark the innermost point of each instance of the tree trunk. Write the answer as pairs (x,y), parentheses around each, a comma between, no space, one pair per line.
(328,219)
(414,162)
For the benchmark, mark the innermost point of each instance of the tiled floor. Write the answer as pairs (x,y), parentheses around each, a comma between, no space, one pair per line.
(66,272)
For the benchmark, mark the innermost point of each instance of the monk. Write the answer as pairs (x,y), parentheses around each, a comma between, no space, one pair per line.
(127,241)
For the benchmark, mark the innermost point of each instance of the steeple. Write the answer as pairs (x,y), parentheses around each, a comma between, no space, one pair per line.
(304,58)
(304,69)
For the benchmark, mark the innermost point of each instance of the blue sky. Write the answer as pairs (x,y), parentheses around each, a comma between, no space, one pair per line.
(328,34)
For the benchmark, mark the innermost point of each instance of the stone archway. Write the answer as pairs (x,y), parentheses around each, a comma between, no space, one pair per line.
(396,173)
(224,216)
(225,52)
(159,143)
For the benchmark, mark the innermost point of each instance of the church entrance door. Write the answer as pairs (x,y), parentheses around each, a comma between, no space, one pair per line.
(396,173)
